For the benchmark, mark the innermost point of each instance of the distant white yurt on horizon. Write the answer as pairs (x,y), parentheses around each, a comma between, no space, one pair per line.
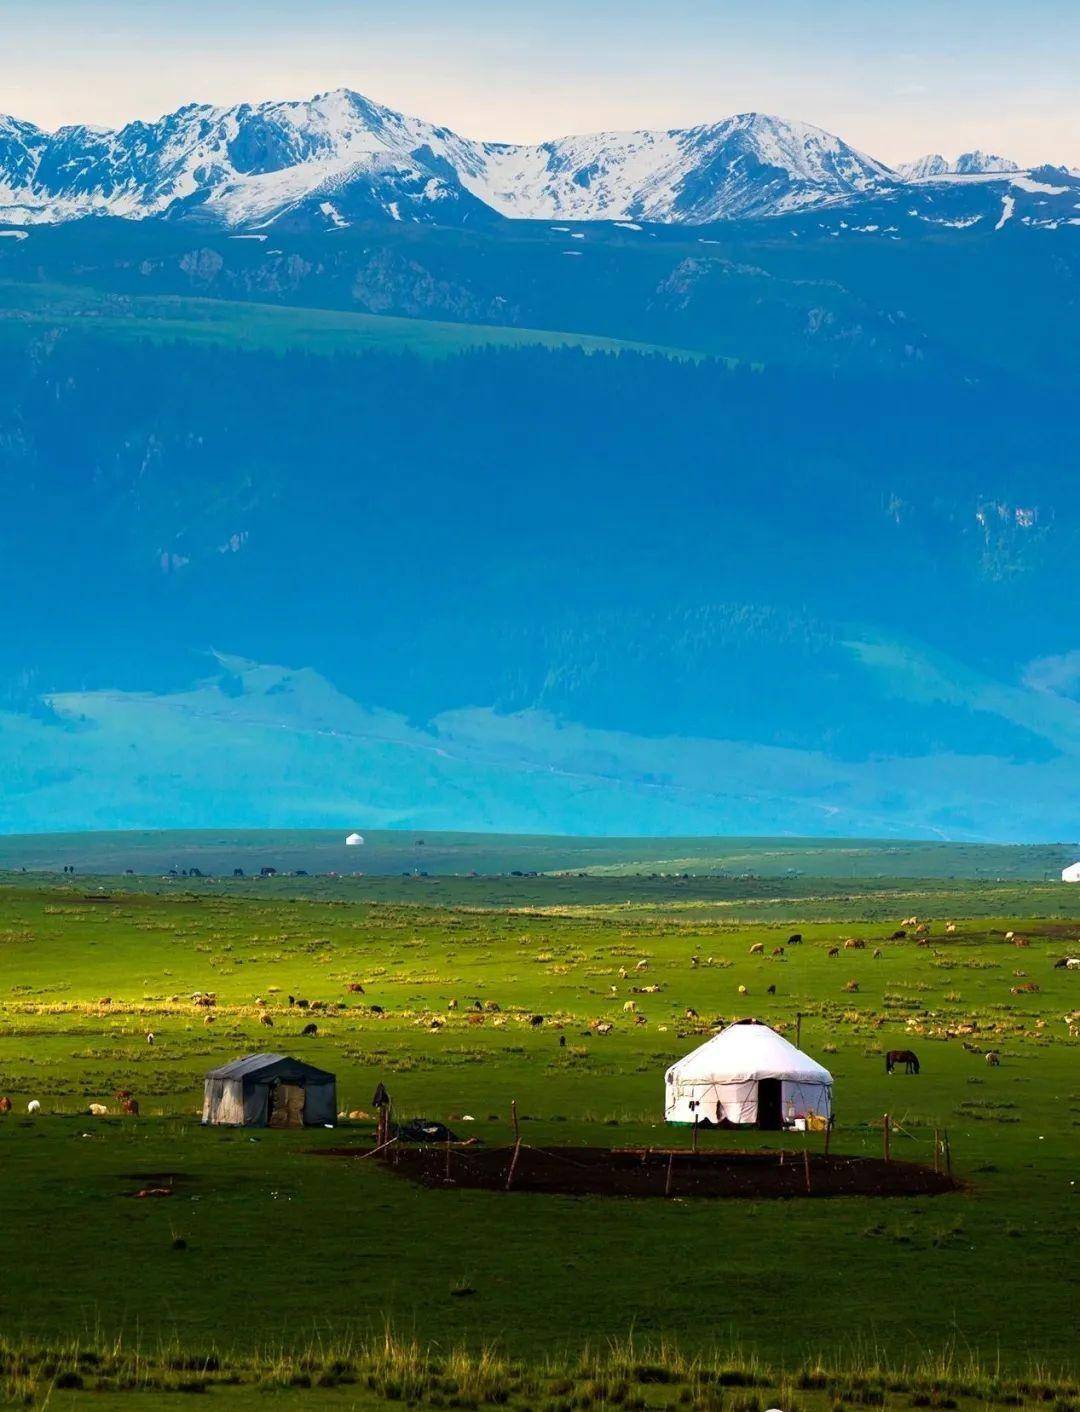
(1071,873)
(353,840)
(747,1076)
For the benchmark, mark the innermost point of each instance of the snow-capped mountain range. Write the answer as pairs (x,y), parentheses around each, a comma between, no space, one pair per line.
(967,164)
(340,158)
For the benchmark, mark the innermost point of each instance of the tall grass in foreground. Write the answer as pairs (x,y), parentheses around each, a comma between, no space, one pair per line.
(628,1373)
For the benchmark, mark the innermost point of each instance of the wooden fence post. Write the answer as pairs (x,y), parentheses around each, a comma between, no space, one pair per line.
(517,1144)
(937,1150)
(828,1134)
(695,1131)
(806,1165)
(670,1171)
(885,1137)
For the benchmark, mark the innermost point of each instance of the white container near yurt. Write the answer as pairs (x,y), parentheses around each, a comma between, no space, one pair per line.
(748,1076)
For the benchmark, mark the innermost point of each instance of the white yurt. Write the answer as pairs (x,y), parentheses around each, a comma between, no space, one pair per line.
(747,1076)
(354,840)
(1071,873)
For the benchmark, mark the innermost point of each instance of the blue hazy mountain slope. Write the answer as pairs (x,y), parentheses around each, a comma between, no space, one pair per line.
(947,298)
(532,589)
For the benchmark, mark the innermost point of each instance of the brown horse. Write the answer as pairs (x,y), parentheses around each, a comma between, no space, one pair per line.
(907,1057)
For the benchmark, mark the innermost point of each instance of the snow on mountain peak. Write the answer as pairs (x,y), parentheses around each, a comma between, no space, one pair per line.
(975,163)
(338,158)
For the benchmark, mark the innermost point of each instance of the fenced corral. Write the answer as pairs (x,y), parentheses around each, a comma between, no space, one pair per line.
(708,1166)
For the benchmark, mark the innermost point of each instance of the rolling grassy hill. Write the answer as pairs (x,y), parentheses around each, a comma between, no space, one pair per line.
(389,852)
(28,310)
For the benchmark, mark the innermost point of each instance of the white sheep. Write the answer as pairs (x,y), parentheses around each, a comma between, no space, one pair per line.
(98,1110)
(33,1106)
(150,1037)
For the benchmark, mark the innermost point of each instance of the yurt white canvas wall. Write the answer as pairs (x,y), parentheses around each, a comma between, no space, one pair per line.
(748,1076)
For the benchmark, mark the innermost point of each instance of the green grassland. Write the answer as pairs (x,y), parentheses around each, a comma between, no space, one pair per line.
(28,310)
(294,1264)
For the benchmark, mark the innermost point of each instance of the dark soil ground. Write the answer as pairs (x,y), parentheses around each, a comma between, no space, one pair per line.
(600,1171)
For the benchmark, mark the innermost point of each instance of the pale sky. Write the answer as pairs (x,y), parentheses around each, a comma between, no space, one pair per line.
(896,78)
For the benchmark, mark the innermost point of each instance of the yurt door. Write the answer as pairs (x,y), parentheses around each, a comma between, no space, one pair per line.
(286,1106)
(770,1108)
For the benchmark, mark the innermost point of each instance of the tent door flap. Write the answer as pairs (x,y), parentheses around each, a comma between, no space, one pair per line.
(286,1106)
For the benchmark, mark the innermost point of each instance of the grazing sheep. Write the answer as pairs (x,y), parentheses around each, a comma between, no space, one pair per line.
(150,1037)
(695,961)
(1009,936)
(208,1018)
(33,1106)
(993,1058)
(770,990)
(642,965)
(451,1004)
(302,1004)
(743,990)
(777,951)
(910,922)
(898,935)
(950,927)
(622,973)
(630,1006)
(562,1041)
(833,951)
(1072,963)
(854,943)
(640,1020)
(377,1010)
(105,1000)
(355,988)
(97,1110)
(310,1031)
(690,1013)
(536,1021)
(1021,941)
(130,1106)
(851,986)
(758,949)
(604,1027)
(795,939)
(1025,988)
(5,1104)
(878,953)
(267,1020)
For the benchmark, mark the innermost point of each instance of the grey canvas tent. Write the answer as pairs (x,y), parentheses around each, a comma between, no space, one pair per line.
(270,1091)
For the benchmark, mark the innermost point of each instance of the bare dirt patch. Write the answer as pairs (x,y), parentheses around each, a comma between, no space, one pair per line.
(598,1171)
